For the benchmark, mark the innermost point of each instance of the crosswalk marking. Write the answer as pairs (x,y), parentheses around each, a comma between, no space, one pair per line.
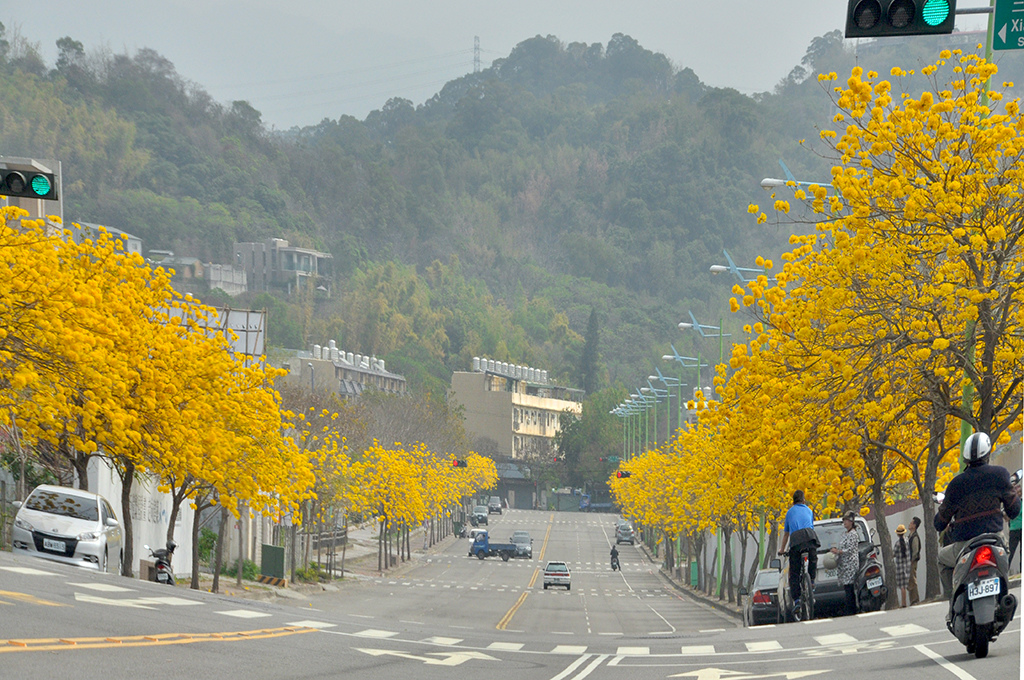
(28,571)
(438,640)
(311,624)
(697,649)
(505,646)
(374,633)
(569,649)
(763,646)
(243,613)
(170,600)
(102,587)
(835,639)
(907,629)
(633,651)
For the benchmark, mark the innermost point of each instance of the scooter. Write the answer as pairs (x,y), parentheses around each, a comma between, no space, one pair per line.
(871,589)
(163,573)
(980,604)
(615,563)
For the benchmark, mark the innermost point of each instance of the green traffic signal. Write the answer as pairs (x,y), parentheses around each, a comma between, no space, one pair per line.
(935,12)
(28,184)
(41,185)
(882,18)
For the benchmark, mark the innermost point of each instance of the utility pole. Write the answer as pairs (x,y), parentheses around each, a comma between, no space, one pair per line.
(476,54)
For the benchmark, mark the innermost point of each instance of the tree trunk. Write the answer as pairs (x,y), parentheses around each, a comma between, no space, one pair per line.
(218,559)
(882,526)
(380,547)
(344,546)
(127,475)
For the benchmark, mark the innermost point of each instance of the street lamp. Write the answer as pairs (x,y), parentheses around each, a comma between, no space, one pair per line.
(678,382)
(738,271)
(658,394)
(684,362)
(700,328)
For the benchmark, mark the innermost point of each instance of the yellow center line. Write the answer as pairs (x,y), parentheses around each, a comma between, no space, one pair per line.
(53,644)
(512,612)
(546,536)
(533,580)
(31,599)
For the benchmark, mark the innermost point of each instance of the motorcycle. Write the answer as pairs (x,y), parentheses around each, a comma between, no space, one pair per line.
(871,589)
(162,572)
(980,604)
(615,563)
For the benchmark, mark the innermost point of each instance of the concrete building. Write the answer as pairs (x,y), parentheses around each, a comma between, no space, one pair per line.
(343,372)
(192,275)
(273,264)
(87,230)
(512,411)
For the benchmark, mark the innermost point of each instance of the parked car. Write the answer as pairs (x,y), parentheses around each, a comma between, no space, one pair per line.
(762,602)
(624,533)
(557,574)
(523,543)
(494,505)
(480,514)
(828,592)
(68,525)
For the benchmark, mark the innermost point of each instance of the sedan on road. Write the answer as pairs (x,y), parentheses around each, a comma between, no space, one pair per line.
(68,525)
(762,605)
(480,514)
(557,574)
(523,543)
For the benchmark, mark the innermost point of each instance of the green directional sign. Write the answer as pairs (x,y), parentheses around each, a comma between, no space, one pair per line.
(1008,31)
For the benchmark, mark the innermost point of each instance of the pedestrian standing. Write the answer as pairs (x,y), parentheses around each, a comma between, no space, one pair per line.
(914,541)
(1015,523)
(901,554)
(848,556)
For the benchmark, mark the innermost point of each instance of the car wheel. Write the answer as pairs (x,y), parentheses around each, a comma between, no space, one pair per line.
(545,586)
(480,554)
(568,587)
(504,556)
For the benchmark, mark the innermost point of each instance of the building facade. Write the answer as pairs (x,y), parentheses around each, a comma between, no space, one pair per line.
(273,264)
(512,411)
(330,368)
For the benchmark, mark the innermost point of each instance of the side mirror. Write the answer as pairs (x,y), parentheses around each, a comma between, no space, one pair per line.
(111,522)
(145,546)
(776,564)
(16,504)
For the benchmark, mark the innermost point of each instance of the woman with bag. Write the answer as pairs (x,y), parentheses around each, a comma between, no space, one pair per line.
(848,560)
(901,555)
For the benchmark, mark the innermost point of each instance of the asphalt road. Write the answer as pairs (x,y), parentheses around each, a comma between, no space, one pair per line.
(456,616)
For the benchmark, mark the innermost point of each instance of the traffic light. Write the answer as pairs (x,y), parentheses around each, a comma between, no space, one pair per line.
(556,459)
(458,463)
(623,473)
(601,459)
(882,18)
(28,184)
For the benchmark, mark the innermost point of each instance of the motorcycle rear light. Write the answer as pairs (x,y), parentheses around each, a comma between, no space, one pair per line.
(983,557)
(761,597)
(873,571)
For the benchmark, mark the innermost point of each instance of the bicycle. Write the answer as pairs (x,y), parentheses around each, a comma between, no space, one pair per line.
(805,611)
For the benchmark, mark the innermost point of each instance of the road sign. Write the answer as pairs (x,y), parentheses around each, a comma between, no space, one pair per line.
(1009,25)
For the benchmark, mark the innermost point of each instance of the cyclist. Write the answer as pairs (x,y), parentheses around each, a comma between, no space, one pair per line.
(615,558)
(973,504)
(798,534)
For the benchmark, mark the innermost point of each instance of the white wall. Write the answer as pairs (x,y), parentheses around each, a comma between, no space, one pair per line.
(151,511)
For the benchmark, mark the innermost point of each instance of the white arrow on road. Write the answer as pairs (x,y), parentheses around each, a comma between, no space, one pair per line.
(719,673)
(449,658)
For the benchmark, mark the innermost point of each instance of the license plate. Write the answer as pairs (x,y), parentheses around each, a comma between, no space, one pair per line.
(989,586)
(50,544)
(874,583)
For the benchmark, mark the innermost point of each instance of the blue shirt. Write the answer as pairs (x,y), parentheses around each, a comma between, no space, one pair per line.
(799,516)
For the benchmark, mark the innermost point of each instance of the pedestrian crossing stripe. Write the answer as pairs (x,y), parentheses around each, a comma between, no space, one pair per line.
(835,639)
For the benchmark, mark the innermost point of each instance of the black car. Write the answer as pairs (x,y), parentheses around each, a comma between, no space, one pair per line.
(762,602)
(480,514)
(494,505)
(523,543)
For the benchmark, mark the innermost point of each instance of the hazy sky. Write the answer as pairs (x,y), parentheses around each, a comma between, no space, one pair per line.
(301,62)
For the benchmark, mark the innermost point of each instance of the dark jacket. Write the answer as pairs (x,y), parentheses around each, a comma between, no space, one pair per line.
(974,502)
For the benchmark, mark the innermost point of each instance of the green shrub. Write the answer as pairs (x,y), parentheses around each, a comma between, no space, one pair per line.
(249,569)
(312,573)
(207,541)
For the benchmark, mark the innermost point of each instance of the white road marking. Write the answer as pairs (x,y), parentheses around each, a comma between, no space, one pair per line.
(908,629)
(694,650)
(96,599)
(866,614)
(945,663)
(505,646)
(569,649)
(835,639)
(170,600)
(590,668)
(101,587)
(713,630)
(28,571)
(438,640)
(311,624)
(243,614)
(374,633)
(763,646)
(633,651)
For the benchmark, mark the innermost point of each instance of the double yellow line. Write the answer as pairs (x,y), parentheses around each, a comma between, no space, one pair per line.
(533,579)
(54,644)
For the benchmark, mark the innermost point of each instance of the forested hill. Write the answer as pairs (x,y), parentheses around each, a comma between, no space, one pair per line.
(487,221)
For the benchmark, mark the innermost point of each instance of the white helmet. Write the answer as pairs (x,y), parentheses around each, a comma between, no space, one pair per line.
(976,448)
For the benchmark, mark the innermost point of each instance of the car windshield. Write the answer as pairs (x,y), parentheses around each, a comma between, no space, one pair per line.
(556,566)
(766,579)
(520,539)
(480,508)
(65,504)
(829,535)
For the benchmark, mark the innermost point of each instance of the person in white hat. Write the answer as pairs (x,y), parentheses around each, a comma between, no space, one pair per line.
(901,555)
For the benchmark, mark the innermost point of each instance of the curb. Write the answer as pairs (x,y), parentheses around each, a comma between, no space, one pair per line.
(723,607)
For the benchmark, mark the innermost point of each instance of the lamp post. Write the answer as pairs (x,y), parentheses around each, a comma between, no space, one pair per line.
(658,394)
(641,398)
(739,272)
(675,356)
(677,382)
(700,328)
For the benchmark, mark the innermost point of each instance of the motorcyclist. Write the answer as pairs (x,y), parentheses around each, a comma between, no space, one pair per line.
(798,533)
(615,556)
(973,503)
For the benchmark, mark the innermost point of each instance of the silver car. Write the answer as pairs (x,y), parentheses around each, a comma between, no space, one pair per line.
(68,525)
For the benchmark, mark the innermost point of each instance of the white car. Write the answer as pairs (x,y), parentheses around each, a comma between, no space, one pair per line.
(68,525)
(557,574)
